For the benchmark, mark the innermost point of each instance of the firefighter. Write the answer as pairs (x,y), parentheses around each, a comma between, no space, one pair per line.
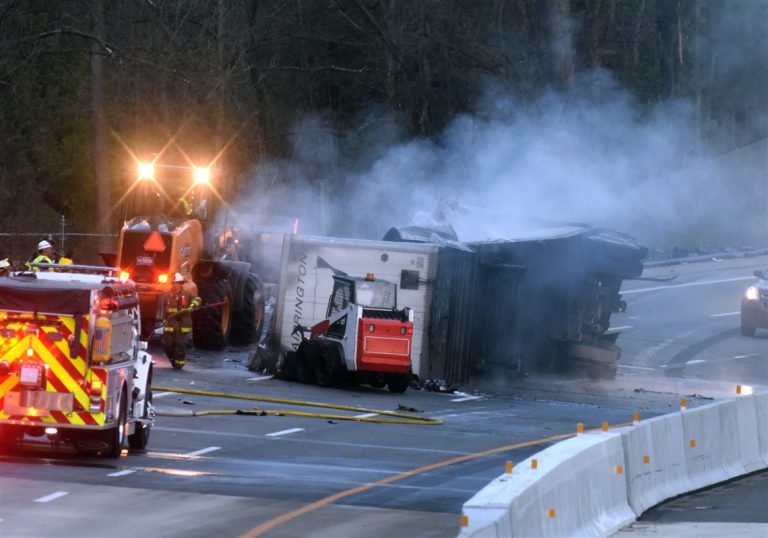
(180,302)
(44,254)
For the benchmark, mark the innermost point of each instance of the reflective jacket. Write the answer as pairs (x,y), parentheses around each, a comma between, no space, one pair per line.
(40,258)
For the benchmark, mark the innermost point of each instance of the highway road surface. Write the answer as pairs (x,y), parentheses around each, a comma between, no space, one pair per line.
(287,475)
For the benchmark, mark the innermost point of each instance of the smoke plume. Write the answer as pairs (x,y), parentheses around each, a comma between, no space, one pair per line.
(512,168)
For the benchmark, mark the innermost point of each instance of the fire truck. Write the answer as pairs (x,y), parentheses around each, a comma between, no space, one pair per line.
(72,366)
(364,337)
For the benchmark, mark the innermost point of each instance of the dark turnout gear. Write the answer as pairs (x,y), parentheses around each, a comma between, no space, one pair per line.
(178,321)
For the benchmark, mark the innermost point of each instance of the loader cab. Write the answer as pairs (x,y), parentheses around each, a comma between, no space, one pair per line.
(170,191)
(366,292)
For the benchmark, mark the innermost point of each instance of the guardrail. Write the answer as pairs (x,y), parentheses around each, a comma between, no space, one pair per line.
(596,483)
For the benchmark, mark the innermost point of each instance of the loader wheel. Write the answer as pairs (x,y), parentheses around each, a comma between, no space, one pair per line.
(210,326)
(398,383)
(306,356)
(326,365)
(248,323)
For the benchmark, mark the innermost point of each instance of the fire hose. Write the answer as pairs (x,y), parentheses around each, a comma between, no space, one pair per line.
(398,418)
(201,307)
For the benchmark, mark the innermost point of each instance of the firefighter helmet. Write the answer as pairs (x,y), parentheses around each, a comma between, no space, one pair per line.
(44,244)
(178,277)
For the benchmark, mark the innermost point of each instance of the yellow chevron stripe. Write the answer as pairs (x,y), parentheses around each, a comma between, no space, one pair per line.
(59,371)
(69,323)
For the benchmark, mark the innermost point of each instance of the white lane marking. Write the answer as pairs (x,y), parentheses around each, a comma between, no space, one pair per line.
(367,415)
(726,314)
(123,472)
(161,394)
(467,398)
(688,284)
(204,451)
(220,434)
(51,497)
(262,378)
(696,361)
(620,328)
(633,367)
(285,432)
(647,353)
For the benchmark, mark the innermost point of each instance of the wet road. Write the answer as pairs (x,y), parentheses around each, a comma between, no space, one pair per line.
(238,475)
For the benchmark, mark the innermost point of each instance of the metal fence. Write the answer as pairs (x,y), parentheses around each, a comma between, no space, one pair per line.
(84,247)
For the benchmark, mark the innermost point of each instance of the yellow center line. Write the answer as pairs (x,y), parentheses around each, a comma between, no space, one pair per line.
(267,525)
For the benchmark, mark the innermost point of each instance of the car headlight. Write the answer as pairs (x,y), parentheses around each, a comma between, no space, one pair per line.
(752,294)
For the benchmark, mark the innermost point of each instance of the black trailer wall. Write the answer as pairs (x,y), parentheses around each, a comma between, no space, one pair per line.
(512,305)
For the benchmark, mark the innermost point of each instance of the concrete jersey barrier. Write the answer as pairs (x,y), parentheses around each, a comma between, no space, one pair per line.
(578,488)
(594,484)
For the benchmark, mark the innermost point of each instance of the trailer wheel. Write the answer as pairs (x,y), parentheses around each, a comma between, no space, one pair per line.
(140,437)
(398,383)
(248,323)
(210,326)
(115,437)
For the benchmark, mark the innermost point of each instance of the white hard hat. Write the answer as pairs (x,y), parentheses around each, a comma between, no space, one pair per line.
(4,263)
(178,277)
(44,244)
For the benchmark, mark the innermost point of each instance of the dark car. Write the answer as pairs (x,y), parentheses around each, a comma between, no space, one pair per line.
(754,305)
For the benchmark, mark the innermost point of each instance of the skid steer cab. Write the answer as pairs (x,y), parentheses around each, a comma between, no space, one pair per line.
(364,338)
(72,367)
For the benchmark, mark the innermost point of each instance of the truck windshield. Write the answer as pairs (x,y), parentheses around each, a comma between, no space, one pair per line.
(375,294)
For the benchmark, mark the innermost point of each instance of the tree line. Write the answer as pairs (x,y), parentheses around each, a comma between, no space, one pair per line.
(82,82)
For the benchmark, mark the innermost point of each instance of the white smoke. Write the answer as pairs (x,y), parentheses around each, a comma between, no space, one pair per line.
(510,166)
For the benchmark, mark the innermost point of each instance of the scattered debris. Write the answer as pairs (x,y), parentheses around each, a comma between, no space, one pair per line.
(437,385)
(401,407)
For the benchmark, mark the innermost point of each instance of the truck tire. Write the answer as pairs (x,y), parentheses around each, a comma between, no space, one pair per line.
(140,437)
(115,437)
(210,325)
(248,322)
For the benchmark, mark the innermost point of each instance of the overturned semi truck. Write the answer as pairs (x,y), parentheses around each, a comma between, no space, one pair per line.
(542,302)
